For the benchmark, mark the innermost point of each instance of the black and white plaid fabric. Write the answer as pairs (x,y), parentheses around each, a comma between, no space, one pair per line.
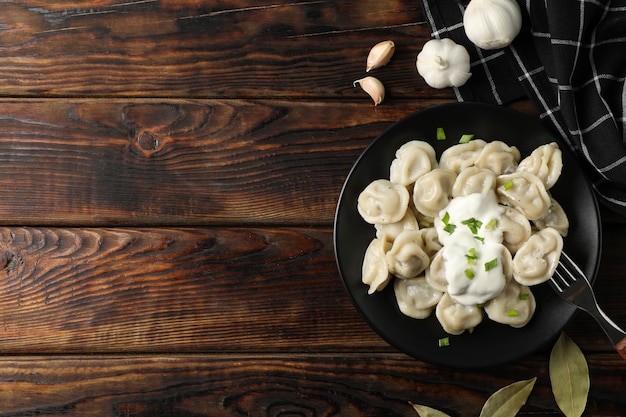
(570,60)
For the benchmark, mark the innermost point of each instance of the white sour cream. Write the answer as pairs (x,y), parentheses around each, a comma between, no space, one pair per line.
(472,247)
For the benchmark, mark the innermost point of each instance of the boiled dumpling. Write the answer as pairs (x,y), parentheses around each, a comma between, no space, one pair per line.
(406,258)
(537,259)
(514,306)
(545,162)
(413,159)
(516,228)
(474,180)
(525,192)
(455,317)
(458,157)
(383,202)
(554,218)
(415,297)
(436,272)
(390,231)
(433,191)
(375,271)
(498,157)
(431,241)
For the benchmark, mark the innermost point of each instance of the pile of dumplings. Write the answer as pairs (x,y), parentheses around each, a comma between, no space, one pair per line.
(406,251)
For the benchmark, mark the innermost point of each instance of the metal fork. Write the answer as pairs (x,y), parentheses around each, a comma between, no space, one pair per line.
(571,284)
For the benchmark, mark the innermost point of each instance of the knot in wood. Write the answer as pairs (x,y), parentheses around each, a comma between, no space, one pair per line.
(148,142)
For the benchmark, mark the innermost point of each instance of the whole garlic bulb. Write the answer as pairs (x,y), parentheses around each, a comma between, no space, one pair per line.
(443,63)
(492,24)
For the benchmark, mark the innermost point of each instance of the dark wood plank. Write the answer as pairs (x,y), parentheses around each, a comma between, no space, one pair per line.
(207,49)
(198,290)
(275,385)
(116,290)
(181,162)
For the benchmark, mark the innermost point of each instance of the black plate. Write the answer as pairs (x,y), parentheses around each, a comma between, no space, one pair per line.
(490,343)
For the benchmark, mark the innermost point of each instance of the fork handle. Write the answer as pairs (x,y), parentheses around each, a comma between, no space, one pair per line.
(620,347)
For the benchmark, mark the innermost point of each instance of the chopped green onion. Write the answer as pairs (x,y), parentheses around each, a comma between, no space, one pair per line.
(444,341)
(466,138)
(449,228)
(513,313)
(491,264)
(446,218)
(424,223)
(471,330)
(523,297)
(441,134)
(469,273)
(471,256)
(473,224)
(479,238)
(508,185)
(491,225)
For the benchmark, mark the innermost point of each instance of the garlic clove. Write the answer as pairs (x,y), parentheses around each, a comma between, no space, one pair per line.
(443,63)
(492,24)
(380,55)
(373,87)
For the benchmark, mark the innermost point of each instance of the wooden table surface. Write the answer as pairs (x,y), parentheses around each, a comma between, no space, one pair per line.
(169,174)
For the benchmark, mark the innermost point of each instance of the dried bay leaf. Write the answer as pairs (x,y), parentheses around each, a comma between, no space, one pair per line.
(424,411)
(507,401)
(569,376)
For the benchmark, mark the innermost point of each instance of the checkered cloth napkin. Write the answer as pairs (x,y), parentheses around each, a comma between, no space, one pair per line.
(570,60)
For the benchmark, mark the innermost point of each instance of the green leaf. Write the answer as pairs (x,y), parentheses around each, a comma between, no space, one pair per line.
(424,411)
(507,401)
(569,376)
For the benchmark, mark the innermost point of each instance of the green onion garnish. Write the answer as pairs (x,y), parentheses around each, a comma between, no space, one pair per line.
(441,134)
(471,255)
(508,185)
(491,264)
(479,238)
(449,228)
(512,313)
(466,138)
(523,297)
(424,223)
(444,341)
(473,224)
(469,273)
(491,225)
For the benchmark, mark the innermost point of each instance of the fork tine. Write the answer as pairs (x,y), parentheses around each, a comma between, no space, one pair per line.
(558,281)
(572,269)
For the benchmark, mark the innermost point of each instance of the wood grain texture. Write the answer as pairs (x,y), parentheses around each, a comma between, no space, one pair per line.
(196,290)
(226,49)
(273,386)
(116,290)
(182,162)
